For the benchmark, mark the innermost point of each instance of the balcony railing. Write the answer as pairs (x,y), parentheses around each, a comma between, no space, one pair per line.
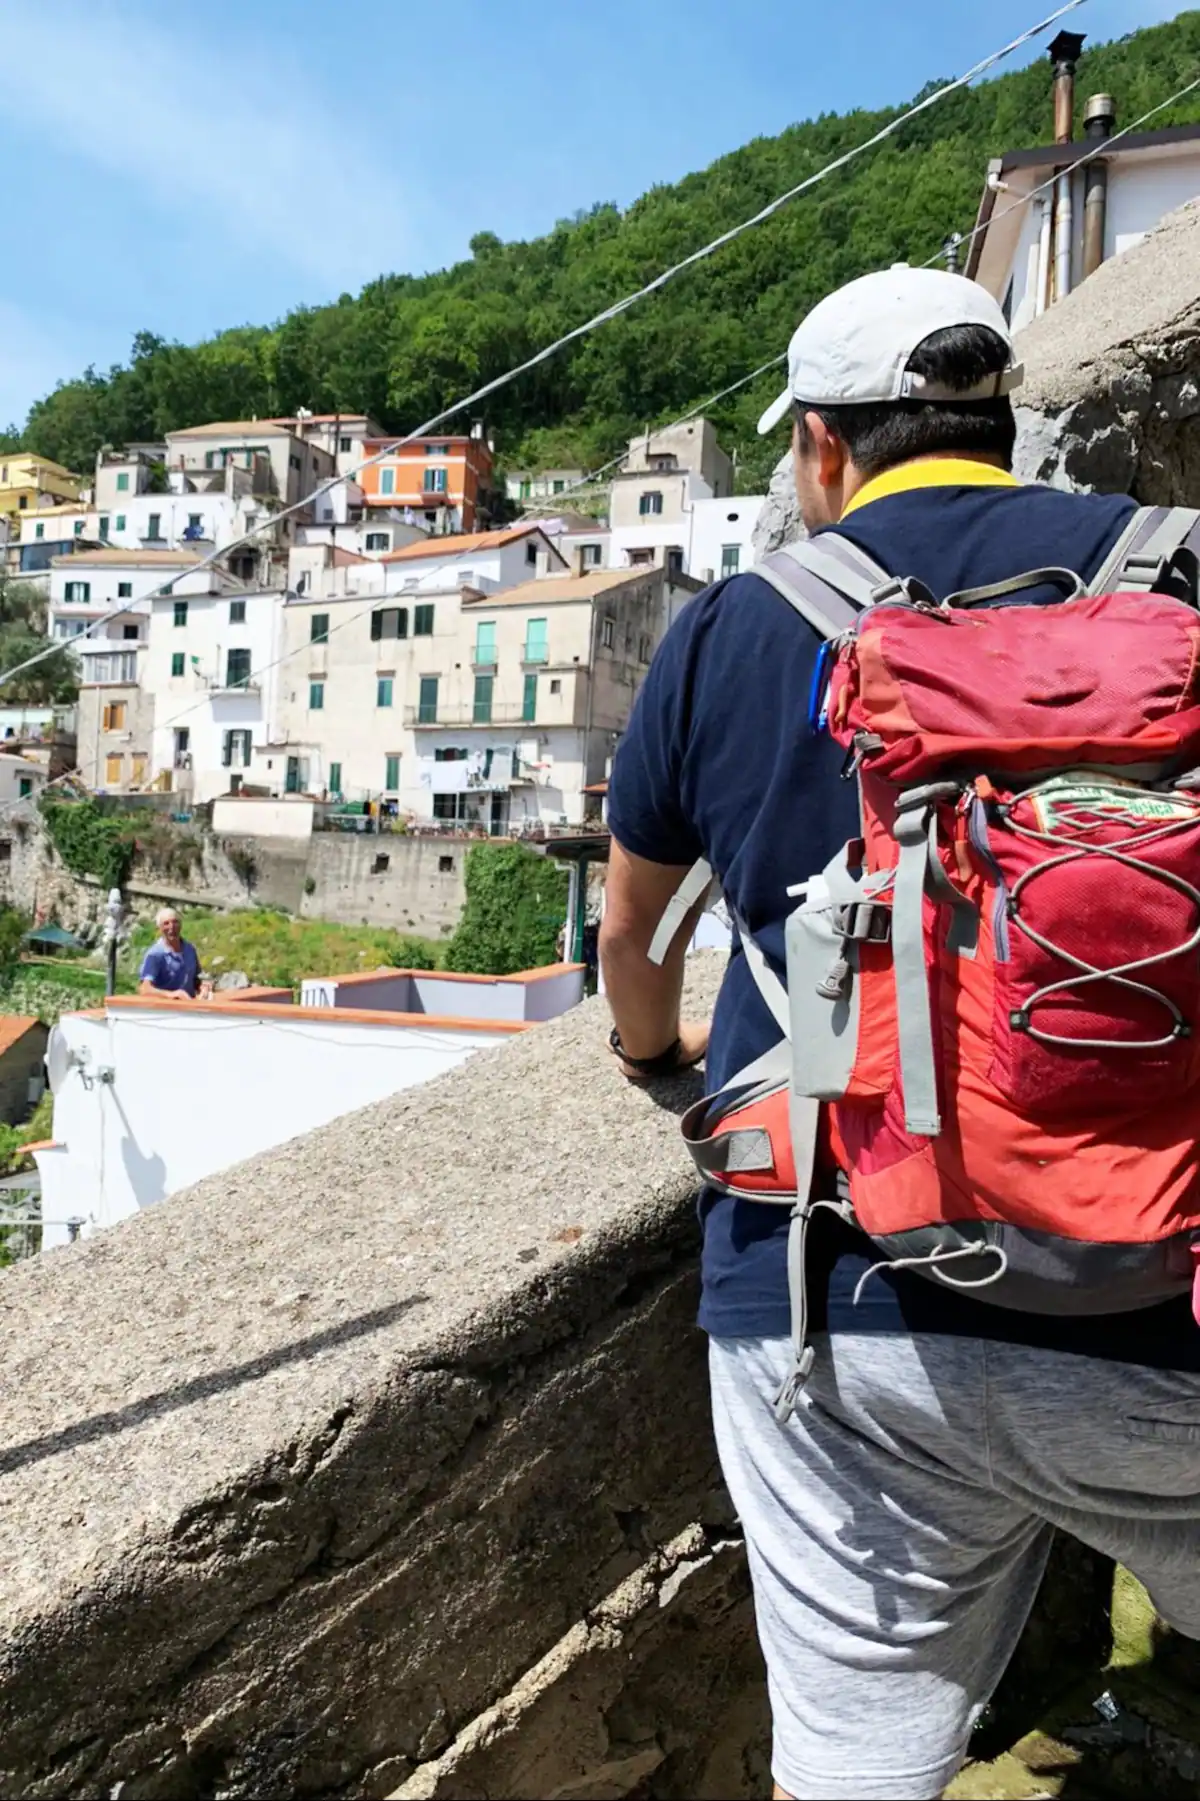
(466,714)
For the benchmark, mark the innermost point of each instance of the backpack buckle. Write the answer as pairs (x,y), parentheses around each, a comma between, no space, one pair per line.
(864,922)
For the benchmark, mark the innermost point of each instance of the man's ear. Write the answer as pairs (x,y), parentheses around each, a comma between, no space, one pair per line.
(827,451)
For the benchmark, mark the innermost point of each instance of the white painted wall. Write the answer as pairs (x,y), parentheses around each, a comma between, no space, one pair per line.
(195,700)
(716,524)
(290,818)
(15,772)
(195,1090)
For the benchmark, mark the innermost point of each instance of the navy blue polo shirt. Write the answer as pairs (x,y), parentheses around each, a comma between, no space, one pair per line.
(719,762)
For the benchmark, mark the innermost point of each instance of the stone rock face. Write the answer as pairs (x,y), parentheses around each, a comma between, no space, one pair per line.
(1111,397)
(779,521)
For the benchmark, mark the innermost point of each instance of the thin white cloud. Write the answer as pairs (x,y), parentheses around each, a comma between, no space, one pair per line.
(248,147)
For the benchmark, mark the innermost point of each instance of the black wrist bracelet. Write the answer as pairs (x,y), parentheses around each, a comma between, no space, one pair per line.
(666,1063)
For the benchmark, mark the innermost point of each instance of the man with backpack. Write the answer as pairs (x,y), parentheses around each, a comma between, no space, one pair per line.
(952,1067)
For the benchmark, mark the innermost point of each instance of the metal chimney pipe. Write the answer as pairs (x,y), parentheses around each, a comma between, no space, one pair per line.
(1064,54)
(1099,119)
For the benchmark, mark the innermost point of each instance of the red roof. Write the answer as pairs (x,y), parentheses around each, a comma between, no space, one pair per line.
(13,1027)
(462,544)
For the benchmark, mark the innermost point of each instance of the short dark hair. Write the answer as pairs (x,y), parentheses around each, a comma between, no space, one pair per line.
(879,437)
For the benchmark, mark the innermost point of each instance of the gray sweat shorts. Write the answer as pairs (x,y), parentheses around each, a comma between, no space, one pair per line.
(898,1527)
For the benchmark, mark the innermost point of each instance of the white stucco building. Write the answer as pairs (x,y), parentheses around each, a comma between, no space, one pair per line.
(256,1071)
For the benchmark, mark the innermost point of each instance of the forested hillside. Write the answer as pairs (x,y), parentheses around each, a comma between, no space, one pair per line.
(406,346)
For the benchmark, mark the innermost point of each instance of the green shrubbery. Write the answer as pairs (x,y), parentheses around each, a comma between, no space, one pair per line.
(516,906)
(278,951)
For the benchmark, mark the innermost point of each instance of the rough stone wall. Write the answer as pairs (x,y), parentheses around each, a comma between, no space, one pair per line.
(1111,396)
(420,888)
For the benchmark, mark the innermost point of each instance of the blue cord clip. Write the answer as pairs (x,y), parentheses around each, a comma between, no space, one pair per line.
(818,694)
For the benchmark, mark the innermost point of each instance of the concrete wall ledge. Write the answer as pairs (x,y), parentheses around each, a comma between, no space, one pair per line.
(303,1470)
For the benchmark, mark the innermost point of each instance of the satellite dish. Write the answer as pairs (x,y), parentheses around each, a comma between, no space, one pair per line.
(59,1060)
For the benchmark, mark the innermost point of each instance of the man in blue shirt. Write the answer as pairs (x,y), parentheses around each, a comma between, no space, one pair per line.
(171,965)
(898,1524)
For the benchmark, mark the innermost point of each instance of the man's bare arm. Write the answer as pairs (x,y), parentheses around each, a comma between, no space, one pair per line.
(644,996)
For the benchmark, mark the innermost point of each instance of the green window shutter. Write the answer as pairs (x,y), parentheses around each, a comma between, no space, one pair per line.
(316,696)
(320,628)
(427,705)
(181,607)
(335,778)
(536,641)
(423,622)
(485,641)
(529,699)
(391,774)
(387,481)
(120,522)
(177,662)
(383,691)
(123,482)
(483,700)
(39,531)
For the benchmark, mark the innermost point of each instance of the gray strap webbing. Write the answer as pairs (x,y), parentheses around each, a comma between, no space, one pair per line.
(829,587)
(697,883)
(765,980)
(914,1023)
(1170,529)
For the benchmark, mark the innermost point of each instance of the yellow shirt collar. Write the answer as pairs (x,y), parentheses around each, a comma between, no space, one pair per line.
(931,472)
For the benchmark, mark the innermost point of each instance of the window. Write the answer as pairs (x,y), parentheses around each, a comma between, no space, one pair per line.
(236,749)
(531,554)
(445,864)
(319,629)
(79,528)
(427,704)
(536,650)
(731,556)
(450,756)
(389,622)
(139,767)
(181,607)
(154,526)
(177,662)
(591,556)
(237,668)
(39,530)
(24,787)
(381,864)
(104,525)
(607,634)
(485,643)
(237,612)
(120,522)
(383,691)
(378,540)
(526,488)
(210,459)
(434,481)
(650,503)
(114,769)
(114,716)
(344,444)
(391,774)
(335,778)
(674,562)
(423,622)
(316,697)
(79,591)
(482,713)
(129,633)
(124,590)
(123,482)
(449,806)
(437,450)
(387,481)
(556,686)
(529,699)
(183,740)
(294,461)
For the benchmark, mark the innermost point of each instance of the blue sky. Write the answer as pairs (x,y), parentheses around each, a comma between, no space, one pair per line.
(181,169)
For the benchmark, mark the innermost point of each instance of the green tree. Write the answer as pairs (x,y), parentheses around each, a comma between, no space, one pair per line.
(13,927)
(516,905)
(54,681)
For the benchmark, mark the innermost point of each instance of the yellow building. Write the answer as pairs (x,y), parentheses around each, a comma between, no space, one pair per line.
(28,482)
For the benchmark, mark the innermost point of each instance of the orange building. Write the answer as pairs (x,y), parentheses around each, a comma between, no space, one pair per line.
(452,474)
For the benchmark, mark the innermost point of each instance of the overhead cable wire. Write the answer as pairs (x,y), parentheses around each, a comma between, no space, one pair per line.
(589,325)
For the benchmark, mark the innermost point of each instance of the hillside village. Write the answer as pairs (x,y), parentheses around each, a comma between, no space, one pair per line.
(319,668)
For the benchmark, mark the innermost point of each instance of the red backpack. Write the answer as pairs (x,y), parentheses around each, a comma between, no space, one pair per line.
(996,987)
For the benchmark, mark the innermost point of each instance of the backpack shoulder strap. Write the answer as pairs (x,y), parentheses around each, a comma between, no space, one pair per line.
(1146,551)
(828,580)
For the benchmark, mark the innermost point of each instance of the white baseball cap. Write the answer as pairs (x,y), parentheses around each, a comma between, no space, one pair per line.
(855,346)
